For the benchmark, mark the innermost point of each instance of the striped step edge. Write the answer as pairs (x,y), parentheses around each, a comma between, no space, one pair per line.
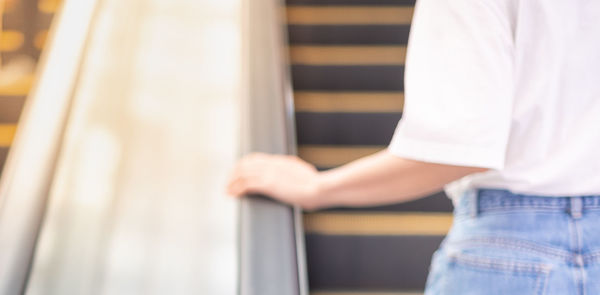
(49,6)
(349,15)
(18,87)
(348,102)
(365,293)
(11,40)
(351,2)
(348,55)
(379,224)
(7,134)
(333,156)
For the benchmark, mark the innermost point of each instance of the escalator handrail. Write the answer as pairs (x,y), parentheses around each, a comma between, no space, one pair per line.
(271,242)
(28,175)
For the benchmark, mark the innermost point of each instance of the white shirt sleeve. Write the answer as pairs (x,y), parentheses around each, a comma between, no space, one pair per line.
(458,84)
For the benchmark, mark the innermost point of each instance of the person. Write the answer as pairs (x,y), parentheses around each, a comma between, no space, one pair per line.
(503,111)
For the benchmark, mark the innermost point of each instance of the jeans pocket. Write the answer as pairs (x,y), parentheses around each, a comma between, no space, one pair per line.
(473,273)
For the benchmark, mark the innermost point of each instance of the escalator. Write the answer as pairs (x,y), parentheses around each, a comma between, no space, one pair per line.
(323,80)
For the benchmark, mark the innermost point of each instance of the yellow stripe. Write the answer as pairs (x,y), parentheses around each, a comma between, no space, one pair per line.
(370,102)
(348,55)
(40,39)
(9,6)
(11,40)
(7,134)
(346,15)
(422,224)
(332,156)
(364,293)
(49,6)
(17,88)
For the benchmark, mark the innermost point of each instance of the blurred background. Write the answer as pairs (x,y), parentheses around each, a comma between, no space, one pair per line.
(137,205)
(120,119)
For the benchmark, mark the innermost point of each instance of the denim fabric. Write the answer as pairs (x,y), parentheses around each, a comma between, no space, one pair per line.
(509,244)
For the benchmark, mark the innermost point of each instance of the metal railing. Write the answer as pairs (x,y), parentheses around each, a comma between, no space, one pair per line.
(272,259)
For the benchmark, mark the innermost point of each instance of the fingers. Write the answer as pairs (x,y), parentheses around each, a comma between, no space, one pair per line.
(248,175)
(274,175)
(235,187)
(247,185)
(238,183)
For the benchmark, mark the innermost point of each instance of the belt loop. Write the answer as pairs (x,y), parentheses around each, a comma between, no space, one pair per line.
(474,196)
(576,207)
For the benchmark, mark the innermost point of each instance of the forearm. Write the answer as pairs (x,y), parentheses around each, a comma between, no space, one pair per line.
(384,178)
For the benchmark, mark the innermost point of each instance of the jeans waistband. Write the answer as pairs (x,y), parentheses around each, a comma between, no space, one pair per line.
(494,200)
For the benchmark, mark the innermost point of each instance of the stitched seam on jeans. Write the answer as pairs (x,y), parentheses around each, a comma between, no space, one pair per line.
(515,244)
(541,284)
(591,257)
(465,215)
(509,209)
(484,208)
(515,267)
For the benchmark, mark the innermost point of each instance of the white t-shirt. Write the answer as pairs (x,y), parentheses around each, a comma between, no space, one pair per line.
(511,85)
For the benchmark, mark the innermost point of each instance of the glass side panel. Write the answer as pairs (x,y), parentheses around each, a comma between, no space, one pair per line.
(137,204)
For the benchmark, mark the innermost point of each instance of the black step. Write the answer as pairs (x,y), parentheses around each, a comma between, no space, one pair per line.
(345,128)
(369,262)
(348,34)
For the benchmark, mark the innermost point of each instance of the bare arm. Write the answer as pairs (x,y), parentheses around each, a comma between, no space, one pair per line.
(377,179)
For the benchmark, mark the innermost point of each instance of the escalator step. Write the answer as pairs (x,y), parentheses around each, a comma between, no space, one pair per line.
(10,108)
(365,293)
(49,6)
(333,156)
(19,87)
(348,102)
(343,15)
(28,18)
(348,34)
(437,202)
(377,223)
(11,40)
(352,2)
(363,129)
(382,263)
(347,55)
(348,77)
(7,133)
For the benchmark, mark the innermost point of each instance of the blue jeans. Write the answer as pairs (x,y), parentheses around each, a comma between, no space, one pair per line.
(509,244)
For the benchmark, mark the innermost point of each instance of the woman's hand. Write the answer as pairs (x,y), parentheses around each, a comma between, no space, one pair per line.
(285,178)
